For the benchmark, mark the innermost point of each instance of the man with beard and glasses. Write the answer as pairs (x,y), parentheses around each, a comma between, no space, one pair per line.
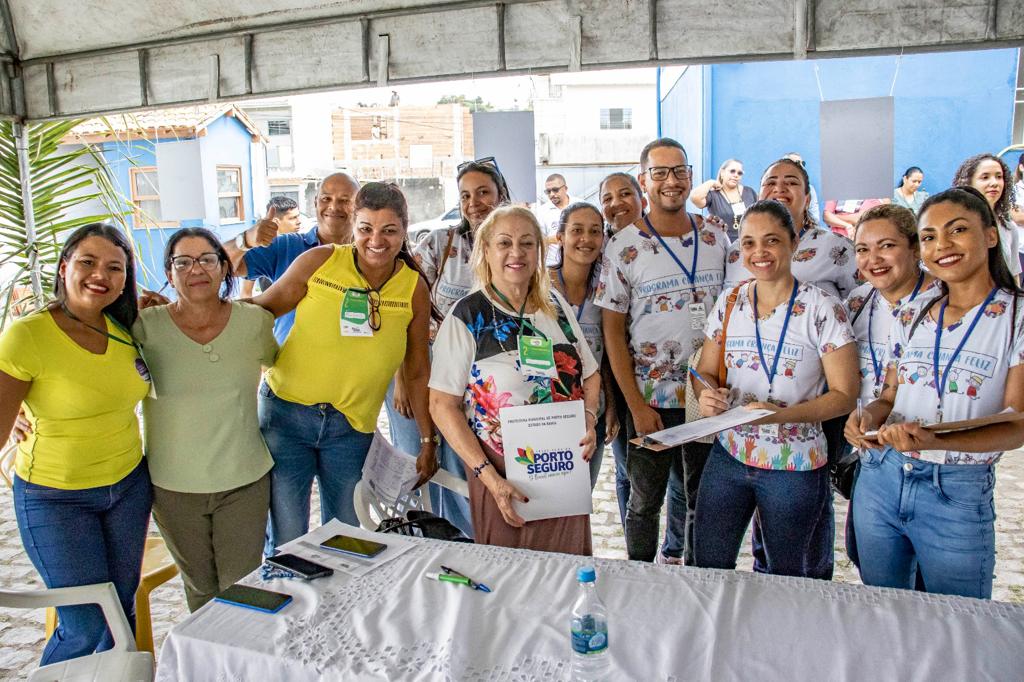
(660,277)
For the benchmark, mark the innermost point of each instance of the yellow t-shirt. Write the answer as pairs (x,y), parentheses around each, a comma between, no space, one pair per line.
(319,365)
(81,405)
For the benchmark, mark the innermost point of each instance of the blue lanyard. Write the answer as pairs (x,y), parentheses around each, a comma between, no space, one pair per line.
(782,336)
(940,386)
(875,364)
(579,313)
(691,274)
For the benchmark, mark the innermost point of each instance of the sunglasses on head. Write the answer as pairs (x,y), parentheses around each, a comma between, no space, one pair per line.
(485,161)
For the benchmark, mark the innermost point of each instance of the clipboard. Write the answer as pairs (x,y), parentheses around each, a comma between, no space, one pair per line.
(1007,415)
(690,431)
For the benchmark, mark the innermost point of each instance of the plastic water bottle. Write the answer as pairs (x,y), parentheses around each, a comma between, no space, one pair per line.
(589,631)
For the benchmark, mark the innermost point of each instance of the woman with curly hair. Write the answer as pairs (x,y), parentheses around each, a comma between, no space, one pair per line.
(990,175)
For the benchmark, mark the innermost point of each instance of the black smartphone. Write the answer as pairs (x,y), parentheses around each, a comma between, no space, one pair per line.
(304,568)
(254,598)
(348,545)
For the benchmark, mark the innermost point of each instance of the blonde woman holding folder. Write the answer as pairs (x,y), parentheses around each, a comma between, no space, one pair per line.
(924,500)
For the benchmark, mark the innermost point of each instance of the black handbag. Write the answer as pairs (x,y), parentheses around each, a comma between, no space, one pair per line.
(422,524)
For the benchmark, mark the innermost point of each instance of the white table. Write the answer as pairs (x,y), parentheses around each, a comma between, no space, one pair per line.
(666,623)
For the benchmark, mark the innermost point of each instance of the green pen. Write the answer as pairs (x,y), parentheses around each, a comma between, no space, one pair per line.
(446,578)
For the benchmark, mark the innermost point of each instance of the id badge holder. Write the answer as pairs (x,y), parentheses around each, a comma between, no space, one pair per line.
(698,316)
(537,357)
(355,314)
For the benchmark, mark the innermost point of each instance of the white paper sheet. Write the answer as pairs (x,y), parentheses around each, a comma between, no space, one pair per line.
(543,458)
(684,433)
(308,547)
(389,472)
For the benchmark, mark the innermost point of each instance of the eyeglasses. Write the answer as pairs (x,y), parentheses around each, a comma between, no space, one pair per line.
(373,297)
(661,172)
(553,190)
(485,161)
(207,261)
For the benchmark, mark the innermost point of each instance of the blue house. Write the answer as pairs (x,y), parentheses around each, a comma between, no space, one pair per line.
(945,107)
(185,167)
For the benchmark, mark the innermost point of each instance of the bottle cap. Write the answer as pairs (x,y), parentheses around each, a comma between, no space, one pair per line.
(586,574)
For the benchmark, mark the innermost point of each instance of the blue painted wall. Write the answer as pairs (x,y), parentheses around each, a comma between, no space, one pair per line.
(947,106)
(227,142)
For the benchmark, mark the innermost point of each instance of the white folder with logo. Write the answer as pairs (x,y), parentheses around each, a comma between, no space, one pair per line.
(544,459)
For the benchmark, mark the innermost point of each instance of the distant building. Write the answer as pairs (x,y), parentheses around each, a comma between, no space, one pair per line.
(185,167)
(592,123)
(419,147)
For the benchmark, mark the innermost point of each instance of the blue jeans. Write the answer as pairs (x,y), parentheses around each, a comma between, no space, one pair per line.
(405,435)
(909,514)
(650,474)
(308,441)
(790,504)
(80,537)
(837,448)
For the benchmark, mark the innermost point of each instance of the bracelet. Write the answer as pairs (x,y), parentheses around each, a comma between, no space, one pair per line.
(477,470)
(435,439)
(592,413)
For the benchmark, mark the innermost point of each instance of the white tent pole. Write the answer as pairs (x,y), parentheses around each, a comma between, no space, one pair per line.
(21,141)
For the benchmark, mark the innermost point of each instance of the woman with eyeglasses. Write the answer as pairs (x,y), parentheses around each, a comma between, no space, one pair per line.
(82,494)
(480,372)
(725,197)
(208,462)
(362,311)
(444,259)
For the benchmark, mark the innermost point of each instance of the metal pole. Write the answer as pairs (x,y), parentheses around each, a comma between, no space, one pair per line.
(21,142)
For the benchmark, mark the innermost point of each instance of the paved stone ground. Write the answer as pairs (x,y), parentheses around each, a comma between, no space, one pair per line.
(21,632)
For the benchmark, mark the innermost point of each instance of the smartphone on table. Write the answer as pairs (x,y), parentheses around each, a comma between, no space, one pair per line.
(254,598)
(296,565)
(366,549)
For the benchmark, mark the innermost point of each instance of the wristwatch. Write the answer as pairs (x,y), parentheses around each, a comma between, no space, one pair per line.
(240,242)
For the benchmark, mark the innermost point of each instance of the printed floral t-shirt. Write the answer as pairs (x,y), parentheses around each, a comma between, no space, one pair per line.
(481,361)
(868,308)
(976,383)
(639,278)
(822,258)
(817,326)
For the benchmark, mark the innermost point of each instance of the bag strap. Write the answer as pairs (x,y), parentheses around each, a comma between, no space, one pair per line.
(444,258)
(730,302)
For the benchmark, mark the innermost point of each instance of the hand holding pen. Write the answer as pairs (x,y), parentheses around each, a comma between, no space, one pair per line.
(712,400)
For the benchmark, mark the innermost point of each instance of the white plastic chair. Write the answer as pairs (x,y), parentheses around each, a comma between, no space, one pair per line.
(122,663)
(371,509)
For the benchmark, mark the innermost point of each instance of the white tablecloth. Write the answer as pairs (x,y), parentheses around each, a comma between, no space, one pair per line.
(665,623)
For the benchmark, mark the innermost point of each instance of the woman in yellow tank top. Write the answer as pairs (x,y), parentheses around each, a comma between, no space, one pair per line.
(361,312)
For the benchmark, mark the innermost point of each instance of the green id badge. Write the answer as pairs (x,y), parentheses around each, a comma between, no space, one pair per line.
(355,314)
(537,357)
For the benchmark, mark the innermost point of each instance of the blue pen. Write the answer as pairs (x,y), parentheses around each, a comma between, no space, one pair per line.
(698,377)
